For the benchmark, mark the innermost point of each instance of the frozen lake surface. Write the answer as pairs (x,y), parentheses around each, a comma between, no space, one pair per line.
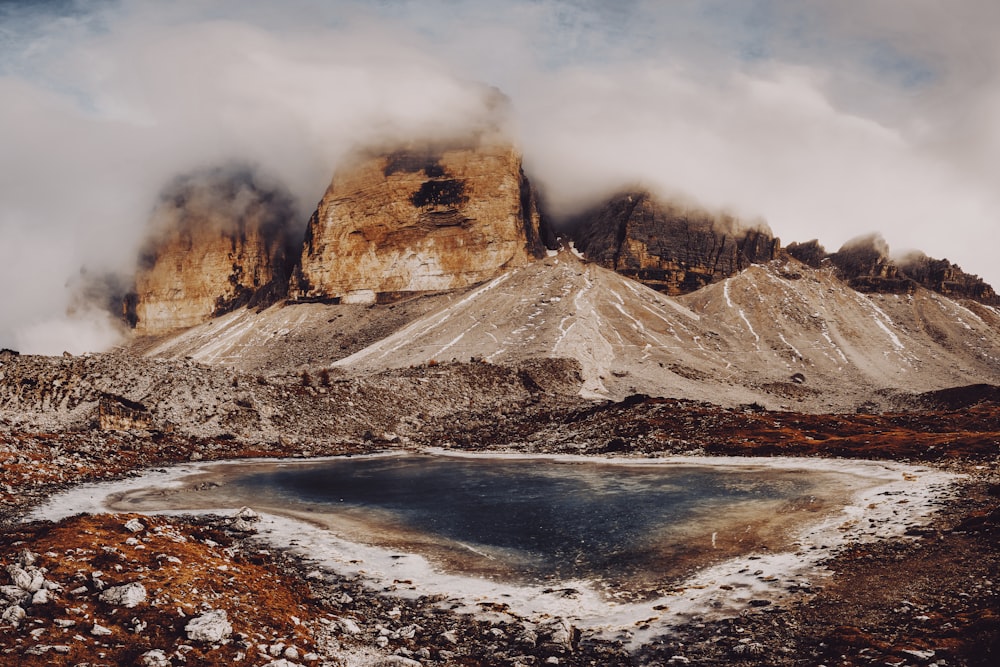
(533,521)
(624,547)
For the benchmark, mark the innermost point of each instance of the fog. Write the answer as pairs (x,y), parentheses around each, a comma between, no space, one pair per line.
(828,122)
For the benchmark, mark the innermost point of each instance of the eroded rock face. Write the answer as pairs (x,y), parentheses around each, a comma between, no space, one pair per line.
(946,278)
(419,219)
(219,241)
(866,265)
(668,247)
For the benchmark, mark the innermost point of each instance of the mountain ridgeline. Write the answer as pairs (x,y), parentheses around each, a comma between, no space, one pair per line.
(432,217)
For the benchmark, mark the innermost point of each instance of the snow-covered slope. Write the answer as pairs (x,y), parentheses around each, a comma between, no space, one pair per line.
(780,334)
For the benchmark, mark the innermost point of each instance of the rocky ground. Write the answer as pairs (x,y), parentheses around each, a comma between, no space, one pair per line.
(930,598)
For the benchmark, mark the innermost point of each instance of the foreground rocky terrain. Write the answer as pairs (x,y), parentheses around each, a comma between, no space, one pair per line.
(928,598)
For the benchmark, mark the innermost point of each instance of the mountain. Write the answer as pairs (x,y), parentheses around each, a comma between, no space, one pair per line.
(780,334)
(217,242)
(866,265)
(436,254)
(419,219)
(670,247)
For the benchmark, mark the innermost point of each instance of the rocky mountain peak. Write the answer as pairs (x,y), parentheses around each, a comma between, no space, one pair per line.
(419,218)
(946,278)
(668,246)
(218,240)
(866,264)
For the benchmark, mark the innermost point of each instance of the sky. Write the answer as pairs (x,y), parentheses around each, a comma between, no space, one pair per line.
(827,119)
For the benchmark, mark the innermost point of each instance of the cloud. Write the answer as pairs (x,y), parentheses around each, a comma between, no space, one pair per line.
(828,120)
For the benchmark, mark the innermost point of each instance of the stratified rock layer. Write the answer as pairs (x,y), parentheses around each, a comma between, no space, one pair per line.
(418,220)
(219,242)
(866,265)
(668,247)
(946,278)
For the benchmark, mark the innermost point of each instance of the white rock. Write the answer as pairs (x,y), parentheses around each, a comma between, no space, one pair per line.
(247,514)
(281,662)
(99,630)
(211,627)
(22,579)
(292,653)
(349,626)
(134,526)
(26,558)
(13,615)
(155,658)
(41,596)
(127,595)
(397,661)
(558,632)
(450,636)
(14,594)
(244,526)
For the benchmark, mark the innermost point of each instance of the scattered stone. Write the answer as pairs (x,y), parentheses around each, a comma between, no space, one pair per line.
(41,596)
(247,514)
(211,627)
(922,656)
(155,658)
(13,615)
(450,636)
(134,526)
(14,594)
(349,626)
(397,661)
(128,595)
(29,580)
(557,634)
(100,631)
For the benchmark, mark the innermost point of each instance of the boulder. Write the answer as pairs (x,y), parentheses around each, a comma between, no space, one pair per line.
(155,658)
(127,595)
(209,628)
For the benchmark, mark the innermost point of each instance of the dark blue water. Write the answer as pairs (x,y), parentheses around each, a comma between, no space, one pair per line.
(545,518)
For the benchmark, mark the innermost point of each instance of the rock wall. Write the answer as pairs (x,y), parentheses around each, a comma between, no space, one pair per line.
(419,219)
(669,247)
(218,242)
(948,279)
(866,265)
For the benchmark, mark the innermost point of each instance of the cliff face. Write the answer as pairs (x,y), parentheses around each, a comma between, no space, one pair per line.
(419,219)
(218,242)
(669,248)
(865,264)
(948,279)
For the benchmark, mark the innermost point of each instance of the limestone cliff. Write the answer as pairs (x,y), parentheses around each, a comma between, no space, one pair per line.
(218,242)
(669,247)
(419,219)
